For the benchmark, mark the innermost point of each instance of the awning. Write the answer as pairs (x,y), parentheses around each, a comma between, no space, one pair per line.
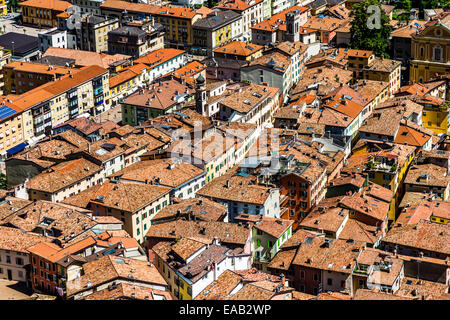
(16,149)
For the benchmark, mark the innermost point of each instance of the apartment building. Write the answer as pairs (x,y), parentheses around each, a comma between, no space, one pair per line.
(282,25)
(280,67)
(366,66)
(242,195)
(12,129)
(238,50)
(268,235)
(176,263)
(162,61)
(42,13)
(252,104)
(93,33)
(56,102)
(53,38)
(20,76)
(184,178)
(216,29)
(178,25)
(14,256)
(251,11)
(64,180)
(161,98)
(109,272)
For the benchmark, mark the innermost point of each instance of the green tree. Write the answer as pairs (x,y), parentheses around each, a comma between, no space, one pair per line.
(405,4)
(370,29)
(3,185)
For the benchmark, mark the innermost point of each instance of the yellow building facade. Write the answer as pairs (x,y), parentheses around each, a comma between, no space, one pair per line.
(435,118)
(42,13)
(430,51)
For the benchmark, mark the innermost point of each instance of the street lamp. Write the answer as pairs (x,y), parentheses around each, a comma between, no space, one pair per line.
(12,42)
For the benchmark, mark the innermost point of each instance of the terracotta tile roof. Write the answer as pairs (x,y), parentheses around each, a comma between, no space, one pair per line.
(130,6)
(273,60)
(225,232)
(122,77)
(86,58)
(428,175)
(54,88)
(63,175)
(166,172)
(240,189)
(83,124)
(297,238)
(330,219)
(409,30)
(366,205)
(159,95)
(384,278)
(383,65)
(125,291)
(188,71)
(384,122)
(366,294)
(53,254)
(272,226)
(157,57)
(127,196)
(66,220)
(108,268)
(202,208)
(413,288)
(32,67)
(282,260)
(379,192)
(254,275)
(16,240)
(221,287)
(297,295)
(252,292)
(239,48)
(330,295)
(410,136)
(325,23)
(356,180)
(247,98)
(359,53)
(359,231)
(237,5)
(326,254)
(422,236)
(56,5)
(277,21)
(204,11)
(9,205)
(177,12)
(186,247)
(328,76)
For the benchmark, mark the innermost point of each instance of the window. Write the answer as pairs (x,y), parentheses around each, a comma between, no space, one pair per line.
(330,281)
(302,274)
(8,259)
(316,277)
(19,261)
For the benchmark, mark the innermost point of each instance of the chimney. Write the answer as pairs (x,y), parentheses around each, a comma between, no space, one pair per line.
(283,280)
